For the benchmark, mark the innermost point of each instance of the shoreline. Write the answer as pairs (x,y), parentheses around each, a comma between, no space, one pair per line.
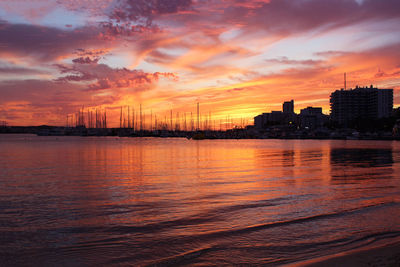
(236,133)
(214,138)
(381,255)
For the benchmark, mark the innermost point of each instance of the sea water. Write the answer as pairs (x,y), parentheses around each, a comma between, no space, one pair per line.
(80,201)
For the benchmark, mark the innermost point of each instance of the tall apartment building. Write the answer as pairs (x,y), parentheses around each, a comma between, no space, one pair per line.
(288,107)
(348,106)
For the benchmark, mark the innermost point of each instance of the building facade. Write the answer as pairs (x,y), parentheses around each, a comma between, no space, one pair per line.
(312,117)
(285,117)
(288,107)
(361,103)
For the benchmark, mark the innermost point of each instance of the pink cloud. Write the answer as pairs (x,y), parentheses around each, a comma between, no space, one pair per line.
(286,16)
(105,77)
(20,70)
(45,43)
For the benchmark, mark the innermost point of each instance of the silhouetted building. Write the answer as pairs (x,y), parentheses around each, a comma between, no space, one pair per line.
(259,121)
(311,117)
(361,103)
(396,129)
(288,107)
(268,119)
(286,117)
(396,112)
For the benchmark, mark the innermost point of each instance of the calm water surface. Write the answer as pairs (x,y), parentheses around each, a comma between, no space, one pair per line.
(117,201)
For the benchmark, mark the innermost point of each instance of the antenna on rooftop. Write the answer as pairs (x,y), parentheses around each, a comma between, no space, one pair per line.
(345,81)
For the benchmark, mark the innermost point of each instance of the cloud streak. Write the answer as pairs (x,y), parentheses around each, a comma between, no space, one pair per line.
(104,77)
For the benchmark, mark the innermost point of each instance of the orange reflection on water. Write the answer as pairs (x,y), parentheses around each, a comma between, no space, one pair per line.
(152,199)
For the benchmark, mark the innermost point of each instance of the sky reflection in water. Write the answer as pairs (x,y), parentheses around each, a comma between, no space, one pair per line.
(72,200)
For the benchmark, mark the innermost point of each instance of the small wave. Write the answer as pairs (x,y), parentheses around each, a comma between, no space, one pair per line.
(181,258)
(297,251)
(258,227)
(206,218)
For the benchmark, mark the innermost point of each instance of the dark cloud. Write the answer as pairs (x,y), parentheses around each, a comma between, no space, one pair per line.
(45,43)
(287,16)
(85,60)
(20,71)
(145,10)
(129,18)
(105,77)
(287,61)
(90,53)
(112,30)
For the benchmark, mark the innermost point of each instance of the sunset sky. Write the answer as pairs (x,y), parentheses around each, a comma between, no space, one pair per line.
(237,58)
